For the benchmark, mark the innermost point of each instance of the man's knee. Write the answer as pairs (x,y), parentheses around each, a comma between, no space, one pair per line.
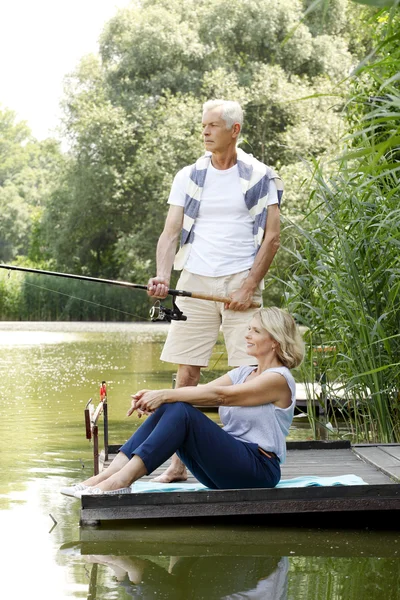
(187,375)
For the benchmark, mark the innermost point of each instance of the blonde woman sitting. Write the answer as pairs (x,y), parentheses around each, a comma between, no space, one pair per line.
(256,407)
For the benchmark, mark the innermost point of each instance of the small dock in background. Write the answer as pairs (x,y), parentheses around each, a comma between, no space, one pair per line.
(377,464)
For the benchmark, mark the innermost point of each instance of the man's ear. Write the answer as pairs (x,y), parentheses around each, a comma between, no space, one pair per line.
(236,130)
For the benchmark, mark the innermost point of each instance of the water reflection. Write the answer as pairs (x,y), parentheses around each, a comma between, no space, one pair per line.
(199,578)
(240,563)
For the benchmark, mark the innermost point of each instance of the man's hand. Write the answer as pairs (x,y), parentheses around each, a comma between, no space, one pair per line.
(146,402)
(241,300)
(157,287)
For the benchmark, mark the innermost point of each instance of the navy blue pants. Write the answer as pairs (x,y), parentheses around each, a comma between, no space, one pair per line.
(215,458)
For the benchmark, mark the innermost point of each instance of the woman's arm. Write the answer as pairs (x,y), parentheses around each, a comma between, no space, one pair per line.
(264,389)
(146,401)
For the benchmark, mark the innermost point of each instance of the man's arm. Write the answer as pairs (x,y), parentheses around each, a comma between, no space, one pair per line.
(242,298)
(166,249)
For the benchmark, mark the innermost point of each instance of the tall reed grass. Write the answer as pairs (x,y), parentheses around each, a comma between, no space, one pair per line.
(43,298)
(345,284)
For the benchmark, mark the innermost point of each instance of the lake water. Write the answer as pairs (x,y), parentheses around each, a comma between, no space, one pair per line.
(48,371)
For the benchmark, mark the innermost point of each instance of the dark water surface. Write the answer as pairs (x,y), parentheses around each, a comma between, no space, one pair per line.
(47,374)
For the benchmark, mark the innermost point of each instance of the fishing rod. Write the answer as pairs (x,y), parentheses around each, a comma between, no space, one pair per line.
(157,312)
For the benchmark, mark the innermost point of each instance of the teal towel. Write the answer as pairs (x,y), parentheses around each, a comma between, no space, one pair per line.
(305,481)
(314,481)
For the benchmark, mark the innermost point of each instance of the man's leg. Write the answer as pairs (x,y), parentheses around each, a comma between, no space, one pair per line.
(191,341)
(186,375)
(235,323)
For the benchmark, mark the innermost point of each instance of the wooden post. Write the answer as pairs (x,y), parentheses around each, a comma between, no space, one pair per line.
(323,416)
(88,425)
(105,417)
(323,400)
(96,450)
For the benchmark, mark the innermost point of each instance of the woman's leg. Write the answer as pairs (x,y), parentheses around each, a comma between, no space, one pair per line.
(151,445)
(125,452)
(213,456)
(216,458)
(220,461)
(130,472)
(119,461)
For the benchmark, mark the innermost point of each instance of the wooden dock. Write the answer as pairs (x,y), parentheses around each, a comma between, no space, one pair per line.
(377,464)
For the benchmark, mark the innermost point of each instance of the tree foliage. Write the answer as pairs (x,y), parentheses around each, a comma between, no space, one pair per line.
(28,171)
(133,114)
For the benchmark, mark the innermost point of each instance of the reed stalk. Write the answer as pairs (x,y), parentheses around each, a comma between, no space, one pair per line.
(345,285)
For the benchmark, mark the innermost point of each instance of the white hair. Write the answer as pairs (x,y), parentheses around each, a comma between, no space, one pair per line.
(231,111)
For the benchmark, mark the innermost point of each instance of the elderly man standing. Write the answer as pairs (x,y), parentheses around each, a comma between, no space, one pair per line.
(226,209)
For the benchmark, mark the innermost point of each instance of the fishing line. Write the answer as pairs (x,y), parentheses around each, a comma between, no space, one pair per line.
(88,301)
(142,319)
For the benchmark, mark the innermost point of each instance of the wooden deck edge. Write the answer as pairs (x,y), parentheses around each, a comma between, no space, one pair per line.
(384,470)
(175,505)
(91,516)
(305,493)
(384,445)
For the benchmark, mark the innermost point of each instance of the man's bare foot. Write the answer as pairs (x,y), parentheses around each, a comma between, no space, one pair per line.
(172,474)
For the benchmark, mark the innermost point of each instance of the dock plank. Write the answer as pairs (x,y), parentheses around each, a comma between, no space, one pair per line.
(383,458)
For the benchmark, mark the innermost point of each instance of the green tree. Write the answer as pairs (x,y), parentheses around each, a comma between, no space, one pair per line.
(28,170)
(132,115)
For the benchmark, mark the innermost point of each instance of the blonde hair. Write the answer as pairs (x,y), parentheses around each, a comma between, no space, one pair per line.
(282,327)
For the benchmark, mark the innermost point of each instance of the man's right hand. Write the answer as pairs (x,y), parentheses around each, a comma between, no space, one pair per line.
(158,287)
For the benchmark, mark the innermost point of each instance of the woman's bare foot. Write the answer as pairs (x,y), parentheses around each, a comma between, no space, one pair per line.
(175,472)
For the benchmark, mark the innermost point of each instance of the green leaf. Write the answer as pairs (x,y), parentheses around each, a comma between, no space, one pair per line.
(380,3)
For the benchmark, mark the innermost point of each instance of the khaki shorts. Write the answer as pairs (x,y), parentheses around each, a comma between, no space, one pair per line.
(191,342)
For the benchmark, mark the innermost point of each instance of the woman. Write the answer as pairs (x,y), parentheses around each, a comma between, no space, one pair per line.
(256,410)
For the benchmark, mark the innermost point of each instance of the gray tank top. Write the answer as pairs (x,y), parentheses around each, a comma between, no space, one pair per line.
(266,425)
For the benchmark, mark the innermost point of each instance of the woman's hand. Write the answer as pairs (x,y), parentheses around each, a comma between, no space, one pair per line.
(146,402)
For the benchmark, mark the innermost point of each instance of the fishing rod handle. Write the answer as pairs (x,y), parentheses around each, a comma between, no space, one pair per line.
(220,299)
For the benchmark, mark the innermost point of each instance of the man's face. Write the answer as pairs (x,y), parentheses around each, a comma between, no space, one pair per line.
(217,138)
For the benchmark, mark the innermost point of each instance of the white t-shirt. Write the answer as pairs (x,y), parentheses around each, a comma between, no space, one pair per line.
(223,236)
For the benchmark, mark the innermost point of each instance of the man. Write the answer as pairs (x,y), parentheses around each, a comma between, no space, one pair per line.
(226,208)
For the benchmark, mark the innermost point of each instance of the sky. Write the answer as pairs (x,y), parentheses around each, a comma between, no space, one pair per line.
(40,42)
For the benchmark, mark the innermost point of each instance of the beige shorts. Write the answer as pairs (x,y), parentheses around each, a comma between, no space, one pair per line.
(191,342)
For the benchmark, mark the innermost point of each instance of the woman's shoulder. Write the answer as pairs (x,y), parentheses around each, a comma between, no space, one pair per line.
(282,370)
(239,374)
(286,373)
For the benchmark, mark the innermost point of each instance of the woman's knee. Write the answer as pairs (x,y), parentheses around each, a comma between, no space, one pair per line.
(181,411)
(175,408)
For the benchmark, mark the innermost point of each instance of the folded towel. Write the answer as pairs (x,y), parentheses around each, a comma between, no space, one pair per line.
(305,481)
(315,481)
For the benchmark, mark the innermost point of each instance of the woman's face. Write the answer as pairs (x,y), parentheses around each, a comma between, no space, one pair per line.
(258,340)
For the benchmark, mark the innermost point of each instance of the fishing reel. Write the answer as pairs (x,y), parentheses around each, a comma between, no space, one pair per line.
(158,312)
